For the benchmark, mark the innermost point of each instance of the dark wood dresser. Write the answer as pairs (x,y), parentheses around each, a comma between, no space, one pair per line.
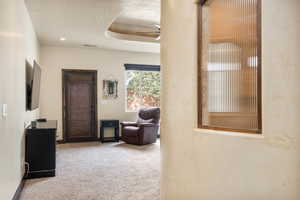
(40,149)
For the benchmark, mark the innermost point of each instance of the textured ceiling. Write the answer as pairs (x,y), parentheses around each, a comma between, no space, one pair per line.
(141,12)
(87,21)
(140,18)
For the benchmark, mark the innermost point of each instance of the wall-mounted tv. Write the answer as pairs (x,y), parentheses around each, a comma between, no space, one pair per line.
(33,84)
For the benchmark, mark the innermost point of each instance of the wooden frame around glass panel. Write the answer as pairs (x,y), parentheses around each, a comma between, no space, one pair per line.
(258,75)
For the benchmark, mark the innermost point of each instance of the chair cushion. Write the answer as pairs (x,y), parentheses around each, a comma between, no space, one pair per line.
(141,121)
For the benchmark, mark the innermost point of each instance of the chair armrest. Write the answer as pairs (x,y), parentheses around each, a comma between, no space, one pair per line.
(146,124)
(129,124)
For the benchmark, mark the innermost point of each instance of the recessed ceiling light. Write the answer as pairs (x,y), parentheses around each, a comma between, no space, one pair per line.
(62,39)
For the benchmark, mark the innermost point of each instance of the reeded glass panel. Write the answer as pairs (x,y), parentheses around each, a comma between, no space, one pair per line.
(229,69)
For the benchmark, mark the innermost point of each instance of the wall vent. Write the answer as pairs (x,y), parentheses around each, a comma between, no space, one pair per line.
(89,45)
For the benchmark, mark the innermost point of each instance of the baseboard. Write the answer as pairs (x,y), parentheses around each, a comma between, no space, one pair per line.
(19,190)
(78,140)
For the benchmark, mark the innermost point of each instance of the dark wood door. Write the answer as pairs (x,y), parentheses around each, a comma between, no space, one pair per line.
(79,104)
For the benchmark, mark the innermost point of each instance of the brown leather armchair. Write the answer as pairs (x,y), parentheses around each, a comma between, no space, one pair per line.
(144,130)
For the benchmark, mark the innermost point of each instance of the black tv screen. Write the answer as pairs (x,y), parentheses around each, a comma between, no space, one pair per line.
(33,88)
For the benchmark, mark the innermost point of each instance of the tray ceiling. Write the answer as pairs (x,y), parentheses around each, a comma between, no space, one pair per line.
(87,22)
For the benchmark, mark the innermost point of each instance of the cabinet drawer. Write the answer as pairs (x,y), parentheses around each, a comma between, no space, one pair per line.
(110,123)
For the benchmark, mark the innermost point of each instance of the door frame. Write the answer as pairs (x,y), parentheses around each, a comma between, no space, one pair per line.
(64,107)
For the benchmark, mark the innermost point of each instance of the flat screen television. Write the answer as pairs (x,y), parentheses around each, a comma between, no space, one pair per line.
(33,84)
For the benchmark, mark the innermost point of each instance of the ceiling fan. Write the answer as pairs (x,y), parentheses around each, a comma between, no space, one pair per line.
(157,31)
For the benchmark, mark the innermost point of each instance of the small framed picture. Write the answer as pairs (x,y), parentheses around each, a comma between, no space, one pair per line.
(110,89)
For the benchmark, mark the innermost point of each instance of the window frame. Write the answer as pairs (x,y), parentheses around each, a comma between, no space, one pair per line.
(137,67)
(259,71)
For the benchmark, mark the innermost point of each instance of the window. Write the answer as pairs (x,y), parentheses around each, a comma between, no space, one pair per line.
(230,65)
(142,86)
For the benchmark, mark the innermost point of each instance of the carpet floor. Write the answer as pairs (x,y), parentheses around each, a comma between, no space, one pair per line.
(95,171)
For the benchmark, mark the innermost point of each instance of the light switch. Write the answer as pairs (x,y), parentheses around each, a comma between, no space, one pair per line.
(4,110)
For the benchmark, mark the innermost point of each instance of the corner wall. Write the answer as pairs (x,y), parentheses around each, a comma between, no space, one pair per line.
(108,63)
(18,42)
(209,165)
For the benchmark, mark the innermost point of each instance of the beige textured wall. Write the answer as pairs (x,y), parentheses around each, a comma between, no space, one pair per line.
(108,63)
(17,43)
(209,165)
